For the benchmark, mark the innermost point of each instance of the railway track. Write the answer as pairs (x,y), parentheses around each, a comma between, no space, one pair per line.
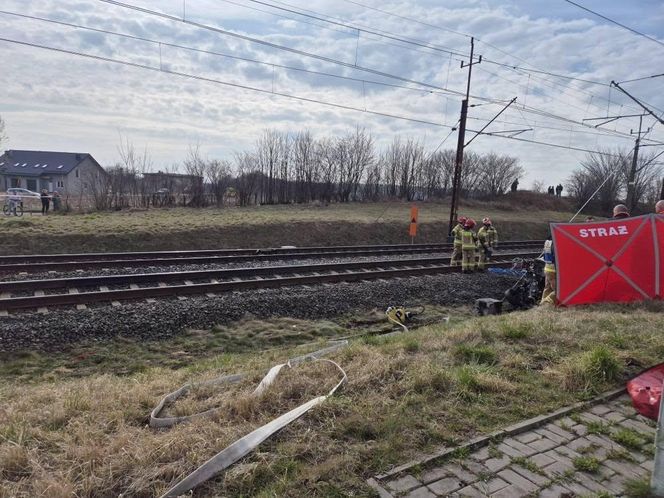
(68,262)
(82,291)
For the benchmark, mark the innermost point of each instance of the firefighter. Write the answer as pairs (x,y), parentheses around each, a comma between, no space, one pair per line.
(468,246)
(488,239)
(620,211)
(659,207)
(549,292)
(456,232)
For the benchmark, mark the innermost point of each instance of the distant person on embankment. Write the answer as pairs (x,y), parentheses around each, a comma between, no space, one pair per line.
(620,211)
(45,200)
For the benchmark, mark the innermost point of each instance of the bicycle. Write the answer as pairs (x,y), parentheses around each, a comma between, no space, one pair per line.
(14,208)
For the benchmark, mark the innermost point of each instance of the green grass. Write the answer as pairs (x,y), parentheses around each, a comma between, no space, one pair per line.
(256,226)
(620,454)
(598,428)
(629,438)
(528,464)
(638,488)
(84,433)
(481,354)
(517,331)
(586,464)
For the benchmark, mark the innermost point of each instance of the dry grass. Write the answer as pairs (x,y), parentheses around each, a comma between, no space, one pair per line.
(255,226)
(88,437)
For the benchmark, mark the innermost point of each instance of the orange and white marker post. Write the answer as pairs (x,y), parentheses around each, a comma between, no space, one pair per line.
(413,223)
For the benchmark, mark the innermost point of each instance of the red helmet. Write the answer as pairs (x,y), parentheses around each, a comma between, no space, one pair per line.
(486,221)
(470,223)
(462,219)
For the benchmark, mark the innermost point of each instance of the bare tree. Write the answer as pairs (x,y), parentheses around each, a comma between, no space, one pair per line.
(133,164)
(537,187)
(496,174)
(472,173)
(3,132)
(306,166)
(248,179)
(601,170)
(196,167)
(219,176)
(269,151)
(355,153)
(326,152)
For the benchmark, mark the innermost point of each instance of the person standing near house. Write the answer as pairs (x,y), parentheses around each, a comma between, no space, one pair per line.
(56,201)
(46,201)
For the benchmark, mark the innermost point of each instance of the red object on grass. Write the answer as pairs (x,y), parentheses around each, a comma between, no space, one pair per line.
(646,391)
(613,261)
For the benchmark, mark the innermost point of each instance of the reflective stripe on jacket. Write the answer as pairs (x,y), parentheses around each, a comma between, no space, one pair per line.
(468,239)
(488,236)
(549,257)
(456,231)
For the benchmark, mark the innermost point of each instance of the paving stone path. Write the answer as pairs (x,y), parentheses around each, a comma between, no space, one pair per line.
(591,453)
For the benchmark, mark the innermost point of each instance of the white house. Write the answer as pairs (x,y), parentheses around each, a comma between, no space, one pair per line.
(65,172)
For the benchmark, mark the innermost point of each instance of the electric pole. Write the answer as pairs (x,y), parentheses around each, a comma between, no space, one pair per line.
(631,186)
(458,162)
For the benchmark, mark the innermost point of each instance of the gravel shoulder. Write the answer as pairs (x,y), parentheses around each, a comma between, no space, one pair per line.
(165,318)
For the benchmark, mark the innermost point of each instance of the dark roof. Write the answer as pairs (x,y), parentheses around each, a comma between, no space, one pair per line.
(37,162)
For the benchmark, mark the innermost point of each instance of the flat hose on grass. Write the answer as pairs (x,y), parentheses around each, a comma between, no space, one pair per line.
(248,443)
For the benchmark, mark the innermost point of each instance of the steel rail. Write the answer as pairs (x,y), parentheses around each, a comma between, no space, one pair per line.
(229,273)
(13,264)
(378,272)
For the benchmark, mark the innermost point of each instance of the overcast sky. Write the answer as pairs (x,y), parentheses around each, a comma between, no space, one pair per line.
(56,101)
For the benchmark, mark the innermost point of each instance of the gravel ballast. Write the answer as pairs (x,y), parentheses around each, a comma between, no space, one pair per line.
(164,318)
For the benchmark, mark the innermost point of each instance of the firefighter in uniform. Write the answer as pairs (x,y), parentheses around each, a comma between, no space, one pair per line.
(456,232)
(468,246)
(549,293)
(488,239)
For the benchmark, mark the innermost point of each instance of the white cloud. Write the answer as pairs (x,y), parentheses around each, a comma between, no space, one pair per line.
(57,101)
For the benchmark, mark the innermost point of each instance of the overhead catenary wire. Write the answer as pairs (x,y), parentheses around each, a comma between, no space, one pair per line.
(264,42)
(615,22)
(642,78)
(269,92)
(442,90)
(548,144)
(273,45)
(385,34)
(376,39)
(489,60)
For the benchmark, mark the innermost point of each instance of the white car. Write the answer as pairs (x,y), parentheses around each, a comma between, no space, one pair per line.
(21,192)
